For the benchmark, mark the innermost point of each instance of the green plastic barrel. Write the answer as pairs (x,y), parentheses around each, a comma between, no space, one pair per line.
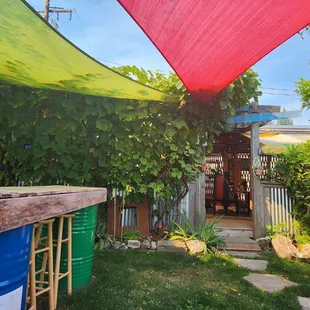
(83,238)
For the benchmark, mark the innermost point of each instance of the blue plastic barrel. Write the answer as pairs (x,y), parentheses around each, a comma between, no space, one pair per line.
(15,248)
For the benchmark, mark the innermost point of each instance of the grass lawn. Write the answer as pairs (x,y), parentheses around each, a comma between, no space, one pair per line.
(152,280)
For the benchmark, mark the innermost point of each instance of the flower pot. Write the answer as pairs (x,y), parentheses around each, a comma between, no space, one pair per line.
(258,171)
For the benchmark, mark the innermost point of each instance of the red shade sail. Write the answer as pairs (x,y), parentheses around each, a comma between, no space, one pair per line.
(209,43)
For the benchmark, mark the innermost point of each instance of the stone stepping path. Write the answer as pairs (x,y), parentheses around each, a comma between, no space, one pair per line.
(242,254)
(304,302)
(252,264)
(241,244)
(269,282)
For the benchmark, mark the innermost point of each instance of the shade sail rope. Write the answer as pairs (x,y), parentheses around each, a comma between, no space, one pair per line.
(34,54)
(209,43)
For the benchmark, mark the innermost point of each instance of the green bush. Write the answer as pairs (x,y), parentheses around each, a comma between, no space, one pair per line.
(294,169)
(132,235)
(279,229)
(206,232)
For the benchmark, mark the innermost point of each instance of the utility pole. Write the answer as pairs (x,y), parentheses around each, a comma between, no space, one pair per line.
(48,9)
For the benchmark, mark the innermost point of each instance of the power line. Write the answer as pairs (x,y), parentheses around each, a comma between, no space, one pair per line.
(280,94)
(273,88)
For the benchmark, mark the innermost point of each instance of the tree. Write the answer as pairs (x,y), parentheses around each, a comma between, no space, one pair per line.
(284,122)
(51,137)
(303,89)
(303,85)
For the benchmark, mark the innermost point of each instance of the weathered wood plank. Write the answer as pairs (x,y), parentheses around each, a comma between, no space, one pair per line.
(25,191)
(17,212)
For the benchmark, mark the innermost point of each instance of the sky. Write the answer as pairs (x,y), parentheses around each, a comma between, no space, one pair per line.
(105,31)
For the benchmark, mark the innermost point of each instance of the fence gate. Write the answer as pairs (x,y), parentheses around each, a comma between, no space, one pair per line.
(277,206)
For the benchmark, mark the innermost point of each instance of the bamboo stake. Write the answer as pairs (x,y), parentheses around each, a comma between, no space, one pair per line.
(114,219)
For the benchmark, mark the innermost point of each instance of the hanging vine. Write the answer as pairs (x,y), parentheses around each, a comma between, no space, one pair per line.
(49,137)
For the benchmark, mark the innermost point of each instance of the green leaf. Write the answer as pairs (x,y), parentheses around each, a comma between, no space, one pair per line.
(173,147)
(170,131)
(179,123)
(103,125)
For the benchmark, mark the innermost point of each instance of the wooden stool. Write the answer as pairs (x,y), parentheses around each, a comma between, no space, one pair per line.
(58,244)
(41,245)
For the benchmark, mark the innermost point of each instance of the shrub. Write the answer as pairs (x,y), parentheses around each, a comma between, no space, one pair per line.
(279,229)
(206,232)
(132,235)
(294,169)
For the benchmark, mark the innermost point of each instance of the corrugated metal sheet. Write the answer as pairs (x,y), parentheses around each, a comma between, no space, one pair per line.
(278,207)
(129,217)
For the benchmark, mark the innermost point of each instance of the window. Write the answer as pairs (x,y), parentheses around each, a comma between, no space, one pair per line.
(129,217)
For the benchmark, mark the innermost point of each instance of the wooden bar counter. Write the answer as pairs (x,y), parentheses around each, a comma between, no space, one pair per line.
(20,206)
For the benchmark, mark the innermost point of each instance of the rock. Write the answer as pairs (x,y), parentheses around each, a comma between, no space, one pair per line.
(171,246)
(305,251)
(264,243)
(107,244)
(269,282)
(284,247)
(146,245)
(195,246)
(153,245)
(117,245)
(304,303)
(252,264)
(134,244)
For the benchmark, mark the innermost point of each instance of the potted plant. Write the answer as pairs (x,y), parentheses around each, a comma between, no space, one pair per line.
(258,170)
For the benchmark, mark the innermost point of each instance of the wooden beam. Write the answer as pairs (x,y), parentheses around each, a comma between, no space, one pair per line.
(20,207)
(263,117)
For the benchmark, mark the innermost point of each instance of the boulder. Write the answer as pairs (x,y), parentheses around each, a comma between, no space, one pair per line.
(107,244)
(264,243)
(171,246)
(305,251)
(284,247)
(134,244)
(124,246)
(195,246)
(153,245)
(146,245)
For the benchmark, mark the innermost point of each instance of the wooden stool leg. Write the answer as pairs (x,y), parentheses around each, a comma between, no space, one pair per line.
(33,298)
(50,266)
(70,256)
(58,256)
(43,269)
(38,235)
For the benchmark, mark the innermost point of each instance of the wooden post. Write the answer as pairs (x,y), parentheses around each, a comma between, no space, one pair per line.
(50,265)
(58,256)
(70,256)
(256,189)
(33,297)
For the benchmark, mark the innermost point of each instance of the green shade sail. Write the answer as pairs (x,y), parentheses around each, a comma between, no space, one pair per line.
(34,54)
